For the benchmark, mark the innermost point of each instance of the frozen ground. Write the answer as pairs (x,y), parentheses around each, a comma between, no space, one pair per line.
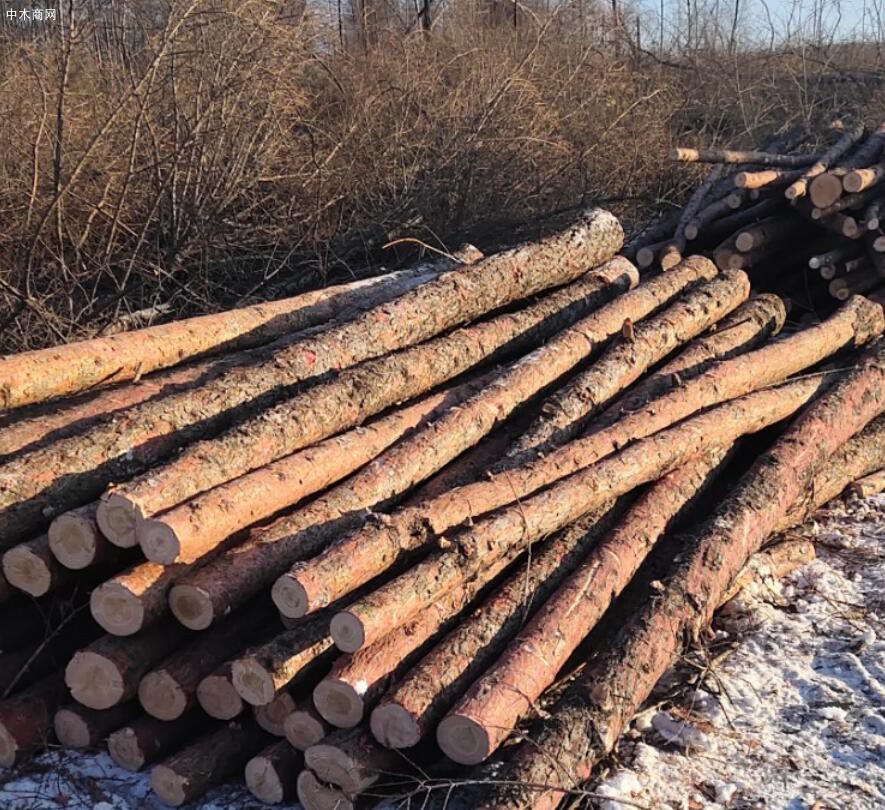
(785,707)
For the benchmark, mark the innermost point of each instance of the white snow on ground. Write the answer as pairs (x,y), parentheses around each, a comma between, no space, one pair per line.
(792,717)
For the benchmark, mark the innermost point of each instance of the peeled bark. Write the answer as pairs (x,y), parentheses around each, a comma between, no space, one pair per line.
(590,717)
(26,719)
(208,761)
(217,696)
(336,572)
(351,760)
(71,472)
(107,672)
(195,528)
(379,544)
(271,774)
(46,373)
(146,739)
(170,688)
(566,413)
(32,568)
(714,155)
(516,527)
(79,727)
(304,727)
(76,541)
(491,707)
(352,396)
(869,485)
(829,158)
(416,702)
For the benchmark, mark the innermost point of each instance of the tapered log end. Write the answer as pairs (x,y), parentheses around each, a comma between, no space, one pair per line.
(73,541)
(218,698)
(8,747)
(116,609)
(124,749)
(94,681)
(303,729)
(169,786)
(347,632)
(26,571)
(158,542)
(263,780)
(191,606)
(290,597)
(463,740)
(71,729)
(161,696)
(338,703)
(253,682)
(394,727)
(117,518)
(314,795)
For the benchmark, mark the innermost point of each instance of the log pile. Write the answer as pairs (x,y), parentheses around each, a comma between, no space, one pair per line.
(327,543)
(807,225)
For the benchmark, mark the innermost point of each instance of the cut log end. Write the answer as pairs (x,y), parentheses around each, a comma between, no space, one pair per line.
(462,740)
(253,682)
(117,518)
(645,257)
(26,571)
(116,609)
(94,681)
(72,541)
(347,632)
(71,729)
(263,780)
(336,766)
(218,698)
(159,542)
(192,607)
(745,242)
(170,787)
(272,717)
(825,190)
(314,795)
(338,703)
(303,729)
(124,749)
(394,727)
(161,695)
(290,597)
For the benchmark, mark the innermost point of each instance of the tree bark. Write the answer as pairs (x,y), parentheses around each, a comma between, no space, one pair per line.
(412,707)
(79,727)
(107,672)
(829,158)
(352,396)
(588,720)
(483,718)
(26,719)
(146,739)
(71,472)
(207,762)
(170,688)
(713,155)
(271,774)
(337,571)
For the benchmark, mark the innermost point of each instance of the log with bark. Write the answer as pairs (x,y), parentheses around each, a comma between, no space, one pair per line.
(26,719)
(352,396)
(31,567)
(714,155)
(869,485)
(79,727)
(352,761)
(217,696)
(39,485)
(829,158)
(271,774)
(304,727)
(76,541)
(145,740)
(316,795)
(272,716)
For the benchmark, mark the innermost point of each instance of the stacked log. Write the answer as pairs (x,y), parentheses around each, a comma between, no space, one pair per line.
(301,547)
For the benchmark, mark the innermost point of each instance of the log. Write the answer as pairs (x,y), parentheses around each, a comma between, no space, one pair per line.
(270,775)
(483,718)
(654,231)
(774,230)
(31,567)
(767,179)
(854,283)
(869,485)
(351,760)
(78,727)
(41,484)
(646,256)
(589,719)
(672,253)
(324,579)
(516,527)
(417,701)
(304,727)
(40,375)
(350,398)
(107,672)
(862,179)
(217,696)
(871,215)
(197,527)
(170,688)
(845,202)
(838,254)
(314,795)
(146,740)
(379,544)
(726,226)
(207,762)
(694,229)
(76,541)
(272,717)
(567,411)
(715,155)
(829,158)
(26,719)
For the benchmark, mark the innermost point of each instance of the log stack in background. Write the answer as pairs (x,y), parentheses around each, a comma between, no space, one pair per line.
(310,543)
